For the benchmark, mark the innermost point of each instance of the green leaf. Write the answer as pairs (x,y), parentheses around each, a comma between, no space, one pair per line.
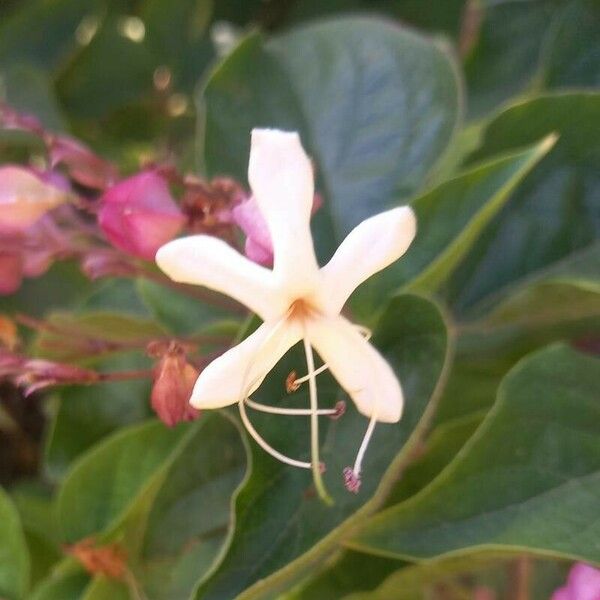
(71,337)
(104,484)
(527,481)
(34,503)
(64,585)
(423,14)
(190,517)
(163,493)
(115,294)
(109,73)
(436,452)
(450,218)
(505,58)
(375,105)
(177,34)
(554,213)
(279,520)
(82,415)
(48,47)
(30,90)
(14,557)
(571,55)
(180,313)
(101,588)
(61,287)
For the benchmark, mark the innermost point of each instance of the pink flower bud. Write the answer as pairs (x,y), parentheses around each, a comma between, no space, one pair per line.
(84,167)
(247,216)
(173,384)
(583,584)
(138,215)
(25,197)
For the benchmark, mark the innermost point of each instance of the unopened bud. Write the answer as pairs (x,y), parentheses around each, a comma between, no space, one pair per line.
(173,384)
(138,215)
(248,217)
(25,196)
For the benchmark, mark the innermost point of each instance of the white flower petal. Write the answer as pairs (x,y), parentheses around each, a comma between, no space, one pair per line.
(369,247)
(359,368)
(281,177)
(243,368)
(208,261)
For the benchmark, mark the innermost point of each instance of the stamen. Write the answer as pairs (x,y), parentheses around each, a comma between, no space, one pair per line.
(339,410)
(352,479)
(314,426)
(296,383)
(265,445)
(334,413)
(292,383)
(244,397)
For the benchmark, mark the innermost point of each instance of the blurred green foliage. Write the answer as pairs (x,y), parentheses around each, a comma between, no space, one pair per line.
(445,105)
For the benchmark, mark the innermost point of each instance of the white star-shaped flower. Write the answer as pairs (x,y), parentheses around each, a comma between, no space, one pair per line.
(296,300)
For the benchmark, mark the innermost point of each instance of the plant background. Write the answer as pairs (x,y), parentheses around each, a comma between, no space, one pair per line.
(492,479)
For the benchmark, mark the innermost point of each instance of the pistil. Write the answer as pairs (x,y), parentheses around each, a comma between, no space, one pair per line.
(314,426)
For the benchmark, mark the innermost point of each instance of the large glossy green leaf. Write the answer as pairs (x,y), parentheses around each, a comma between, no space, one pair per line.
(375,105)
(106,482)
(14,556)
(450,219)
(423,14)
(554,213)
(163,493)
(572,48)
(528,480)
(190,517)
(505,57)
(279,519)
(344,573)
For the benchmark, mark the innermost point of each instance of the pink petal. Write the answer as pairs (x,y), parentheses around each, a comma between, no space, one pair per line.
(138,215)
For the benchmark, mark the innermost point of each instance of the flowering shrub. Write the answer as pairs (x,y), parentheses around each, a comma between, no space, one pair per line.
(299,300)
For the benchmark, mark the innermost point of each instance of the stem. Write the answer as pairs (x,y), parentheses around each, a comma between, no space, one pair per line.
(314,426)
(520,575)
(276,410)
(125,375)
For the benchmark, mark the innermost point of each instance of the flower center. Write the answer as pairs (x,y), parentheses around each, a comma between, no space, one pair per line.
(301,310)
